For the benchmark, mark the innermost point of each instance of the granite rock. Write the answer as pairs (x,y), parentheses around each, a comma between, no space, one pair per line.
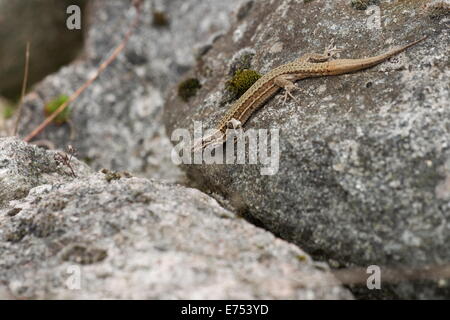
(109,235)
(364,163)
(117,122)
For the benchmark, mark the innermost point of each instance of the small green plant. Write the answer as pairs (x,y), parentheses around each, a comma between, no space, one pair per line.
(8,112)
(242,81)
(160,19)
(53,105)
(188,88)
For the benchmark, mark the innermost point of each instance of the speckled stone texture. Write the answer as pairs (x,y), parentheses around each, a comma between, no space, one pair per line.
(117,122)
(24,166)
(365,157)
(112,236)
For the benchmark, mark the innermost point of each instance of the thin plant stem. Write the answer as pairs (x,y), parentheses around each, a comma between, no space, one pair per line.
(80,90)
(24,89)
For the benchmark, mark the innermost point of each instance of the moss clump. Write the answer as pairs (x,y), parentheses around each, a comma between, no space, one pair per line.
(188,88)
(242,81)
(53,105)
(160,19)
(83,254)
(363,4)
(8,112)
(111,175)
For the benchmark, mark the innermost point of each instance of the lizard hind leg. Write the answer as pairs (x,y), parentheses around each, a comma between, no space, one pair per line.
(285,82)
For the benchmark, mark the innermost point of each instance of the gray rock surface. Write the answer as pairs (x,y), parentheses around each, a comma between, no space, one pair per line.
(109,235)
(365,157)
(117,121)
(43,24)
(24,166)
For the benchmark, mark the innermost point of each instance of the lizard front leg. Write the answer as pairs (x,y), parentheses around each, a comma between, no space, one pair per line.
(285,82)
(236,129)
(234,124)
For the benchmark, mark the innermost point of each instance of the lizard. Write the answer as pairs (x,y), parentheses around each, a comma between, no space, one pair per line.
(284,77)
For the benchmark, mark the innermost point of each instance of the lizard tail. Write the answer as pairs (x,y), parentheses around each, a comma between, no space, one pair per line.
(341,66)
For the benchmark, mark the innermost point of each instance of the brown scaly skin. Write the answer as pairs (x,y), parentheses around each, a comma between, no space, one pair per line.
(283,77)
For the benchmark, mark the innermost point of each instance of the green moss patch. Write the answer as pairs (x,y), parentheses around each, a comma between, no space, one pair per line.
(160,19)
(8,112)
(53,105)
(188,88)
(242,81)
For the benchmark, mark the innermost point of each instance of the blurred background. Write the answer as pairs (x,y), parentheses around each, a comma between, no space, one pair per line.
(39,23)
